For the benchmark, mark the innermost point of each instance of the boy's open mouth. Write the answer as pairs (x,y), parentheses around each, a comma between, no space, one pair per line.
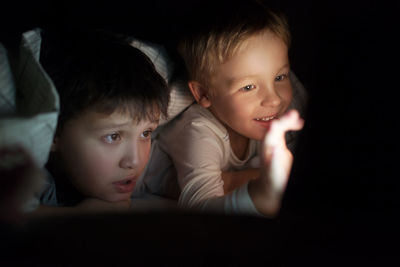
(126,185)
(266,118)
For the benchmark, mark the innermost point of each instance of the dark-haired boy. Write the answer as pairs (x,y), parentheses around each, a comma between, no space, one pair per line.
(111,99)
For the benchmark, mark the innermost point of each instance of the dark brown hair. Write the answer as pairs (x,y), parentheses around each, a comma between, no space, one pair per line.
(93,70)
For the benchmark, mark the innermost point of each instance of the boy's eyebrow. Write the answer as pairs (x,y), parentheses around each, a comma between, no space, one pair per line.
(236,80)
(111,125)
(287,65)
(157,121)
(119,125)
(232,81)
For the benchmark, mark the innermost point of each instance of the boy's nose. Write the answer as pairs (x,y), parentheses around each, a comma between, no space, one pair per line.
(271,98)
(131,157)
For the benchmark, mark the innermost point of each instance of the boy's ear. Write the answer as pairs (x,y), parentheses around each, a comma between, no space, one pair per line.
(199,93)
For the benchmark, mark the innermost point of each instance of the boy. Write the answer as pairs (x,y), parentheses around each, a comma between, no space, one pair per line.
(238,74)
(111,99)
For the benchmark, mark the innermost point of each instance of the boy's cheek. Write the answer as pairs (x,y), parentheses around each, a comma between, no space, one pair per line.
(89,162)
(99,162)
(287,94)
(92,174)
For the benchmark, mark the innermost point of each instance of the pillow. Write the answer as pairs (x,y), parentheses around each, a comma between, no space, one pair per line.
(7,86)
(29,103)
(29,108)
(180,95)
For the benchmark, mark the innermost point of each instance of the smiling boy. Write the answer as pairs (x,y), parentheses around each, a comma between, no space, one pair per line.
(238,70)
(208,157)
(248,90)
(111,99)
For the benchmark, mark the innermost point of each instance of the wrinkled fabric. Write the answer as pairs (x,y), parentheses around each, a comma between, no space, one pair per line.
(29,105)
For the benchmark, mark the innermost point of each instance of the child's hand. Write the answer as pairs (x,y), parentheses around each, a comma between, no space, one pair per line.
(276,162)
(275,156)
(20,179)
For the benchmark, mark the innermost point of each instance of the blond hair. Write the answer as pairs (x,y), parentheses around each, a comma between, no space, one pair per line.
(218,42)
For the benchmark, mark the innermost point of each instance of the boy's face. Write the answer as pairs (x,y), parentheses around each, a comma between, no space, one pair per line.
(253,87)
(104,155)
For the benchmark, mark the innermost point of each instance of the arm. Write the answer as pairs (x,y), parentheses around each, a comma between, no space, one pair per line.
(276,162)
(198,157)
(235,179)
(20,180)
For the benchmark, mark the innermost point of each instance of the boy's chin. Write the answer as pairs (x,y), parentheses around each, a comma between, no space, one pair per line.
(117,197)
(256,133)
(258,136)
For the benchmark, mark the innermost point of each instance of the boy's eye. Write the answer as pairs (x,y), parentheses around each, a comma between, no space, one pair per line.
(247,87)
(146,134)
(280,77)
(111,138)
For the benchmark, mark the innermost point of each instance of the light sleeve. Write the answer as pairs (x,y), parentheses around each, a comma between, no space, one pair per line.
(199,156)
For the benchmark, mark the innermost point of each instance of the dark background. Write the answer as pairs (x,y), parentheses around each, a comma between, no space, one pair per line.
(340,203)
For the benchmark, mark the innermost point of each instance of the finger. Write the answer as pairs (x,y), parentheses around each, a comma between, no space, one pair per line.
(291,121)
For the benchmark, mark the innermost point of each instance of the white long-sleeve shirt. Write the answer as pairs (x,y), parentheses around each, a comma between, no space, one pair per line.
(187,159)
